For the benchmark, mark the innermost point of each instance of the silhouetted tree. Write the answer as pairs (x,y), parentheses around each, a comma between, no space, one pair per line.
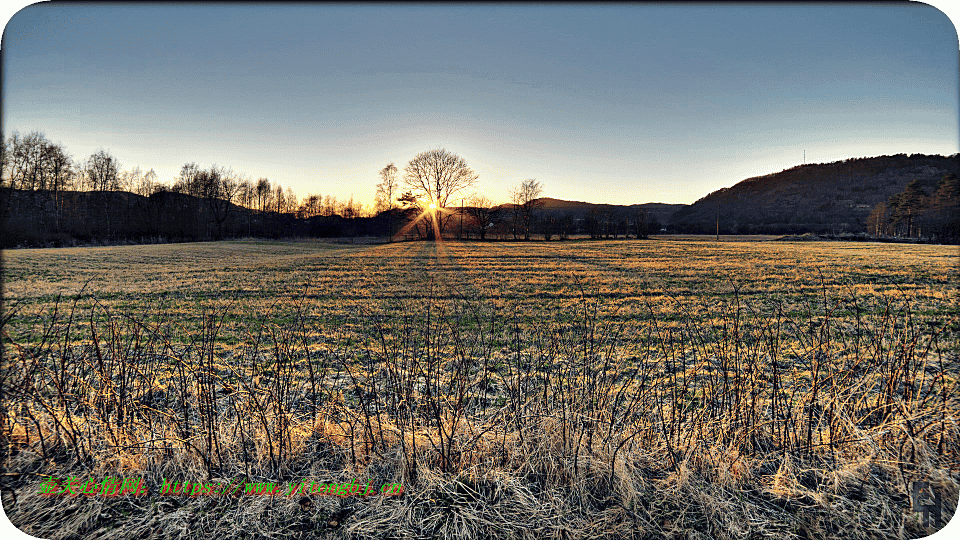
(526,200)
(905,207)
(945,209)
(189,181)
(61,175)
(592,223)
(878,222)
(565,226)
(263,194)
(31,162)
(289,200)
(412,208)
(4,161)
(483,213)
(387,188)
(246,196)
(433,178)
(220,188)
(311,206)
(386,192)
(140,183)
(639,223)
(103,172)
(548,226)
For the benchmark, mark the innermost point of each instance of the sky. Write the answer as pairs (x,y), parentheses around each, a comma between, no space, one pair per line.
(614,103)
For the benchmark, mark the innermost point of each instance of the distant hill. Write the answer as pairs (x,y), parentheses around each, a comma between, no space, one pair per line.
(660,212)
(820,198)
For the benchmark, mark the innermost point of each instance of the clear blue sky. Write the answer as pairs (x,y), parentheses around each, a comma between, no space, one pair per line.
(620,103)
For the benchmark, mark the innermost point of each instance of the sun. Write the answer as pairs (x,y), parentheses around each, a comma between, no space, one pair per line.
(433,206)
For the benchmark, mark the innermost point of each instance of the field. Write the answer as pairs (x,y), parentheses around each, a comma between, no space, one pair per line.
(672,387)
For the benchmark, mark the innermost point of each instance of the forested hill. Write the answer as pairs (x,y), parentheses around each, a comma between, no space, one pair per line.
(830,198)
(659,212)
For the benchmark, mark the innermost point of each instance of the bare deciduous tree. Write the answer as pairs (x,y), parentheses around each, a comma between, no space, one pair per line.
(640,223)
(526,199)
(189,181)
(279,198)
(26,167)
(221,188)
(433,177)
(484,214)
(31,162)
(133,180)
(387,188)
(263,194)
(311,206)
(103,172)
(146,184)
(4,160)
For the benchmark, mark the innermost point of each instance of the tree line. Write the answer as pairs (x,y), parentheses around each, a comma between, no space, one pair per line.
(49,198)
(33,163)
(916,214)
(435,181)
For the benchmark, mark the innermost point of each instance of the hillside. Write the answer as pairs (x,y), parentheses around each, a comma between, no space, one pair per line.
(660,212)
(820,198)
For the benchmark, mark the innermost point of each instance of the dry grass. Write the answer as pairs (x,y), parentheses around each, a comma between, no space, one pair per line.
(584,389)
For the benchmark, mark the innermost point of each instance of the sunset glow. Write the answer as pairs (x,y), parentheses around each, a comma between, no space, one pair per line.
(616,104)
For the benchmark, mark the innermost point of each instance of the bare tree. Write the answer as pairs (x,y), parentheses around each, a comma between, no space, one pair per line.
(433,177)
(640,223)
(145,184)
(12,164)
(25,161)
(565,226)
(189,181)
(31,152)
(60,169)
(4,160)
(220,188)
(387,188)
(263,194)
(330,205)
(289,200)
(484,214)
(133,180)
(311,206)
(349,210)
(246,192)
(103,172)
(279,198)
(246,195)
(78,176)
(526,199)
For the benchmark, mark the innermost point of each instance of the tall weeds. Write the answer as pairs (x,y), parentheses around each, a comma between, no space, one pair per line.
(446,385)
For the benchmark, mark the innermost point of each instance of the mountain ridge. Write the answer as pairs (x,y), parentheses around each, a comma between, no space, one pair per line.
(835,197)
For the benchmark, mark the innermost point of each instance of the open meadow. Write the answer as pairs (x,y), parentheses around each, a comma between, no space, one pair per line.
(678,388)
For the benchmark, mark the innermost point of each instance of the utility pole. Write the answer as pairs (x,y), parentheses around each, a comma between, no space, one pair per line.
(718,222)
(461,219)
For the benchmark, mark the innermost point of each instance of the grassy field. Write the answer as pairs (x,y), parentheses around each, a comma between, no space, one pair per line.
(661,388)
